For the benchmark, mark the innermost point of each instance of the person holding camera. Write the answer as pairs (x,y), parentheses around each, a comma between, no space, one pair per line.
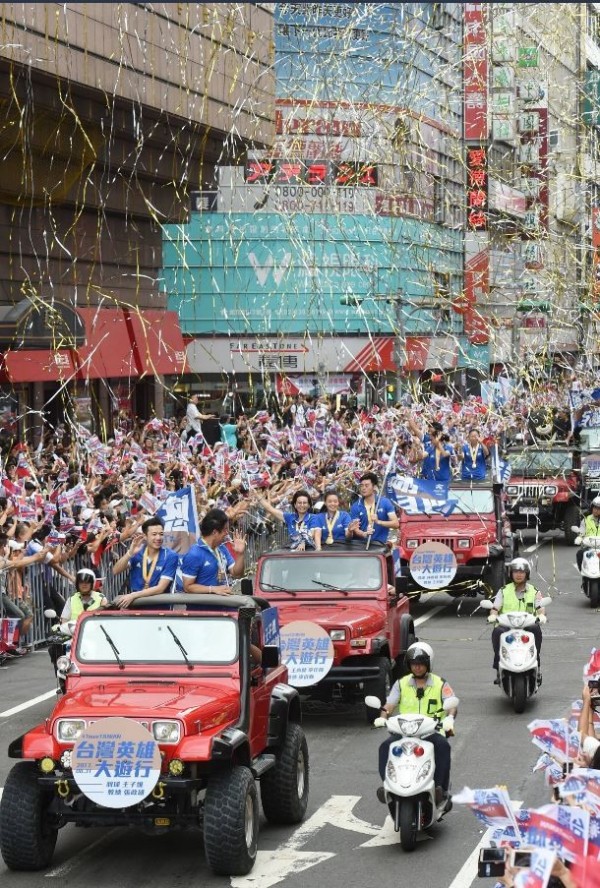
(518,595)
(439,456)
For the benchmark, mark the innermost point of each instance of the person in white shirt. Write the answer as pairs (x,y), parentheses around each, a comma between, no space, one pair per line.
(194,418)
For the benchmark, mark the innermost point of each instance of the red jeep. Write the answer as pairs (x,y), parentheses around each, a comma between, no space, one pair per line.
(192,674)
(351,593)
(477,530)
(544,489)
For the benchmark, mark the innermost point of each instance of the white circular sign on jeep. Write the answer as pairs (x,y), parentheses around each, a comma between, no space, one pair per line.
(433,565)
(116,762)
(307,651)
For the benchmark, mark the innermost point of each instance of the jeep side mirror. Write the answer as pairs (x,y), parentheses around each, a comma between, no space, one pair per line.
(246,586)
(270,656)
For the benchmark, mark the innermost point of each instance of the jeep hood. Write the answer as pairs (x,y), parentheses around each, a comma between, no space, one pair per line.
(359,616)
(148,701)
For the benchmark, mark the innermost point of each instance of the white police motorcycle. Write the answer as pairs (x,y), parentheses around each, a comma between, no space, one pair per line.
(409,786)
(518,664)
(590,567)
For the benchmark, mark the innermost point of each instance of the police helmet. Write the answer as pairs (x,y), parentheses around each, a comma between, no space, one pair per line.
(520,564)
(85,575)
(596,502)
(420,652)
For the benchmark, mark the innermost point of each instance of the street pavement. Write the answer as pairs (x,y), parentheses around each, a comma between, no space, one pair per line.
(345,839)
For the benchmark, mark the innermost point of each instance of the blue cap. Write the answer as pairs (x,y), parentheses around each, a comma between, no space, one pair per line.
(596,395)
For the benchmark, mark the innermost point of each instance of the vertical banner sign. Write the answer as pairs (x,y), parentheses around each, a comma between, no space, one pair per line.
(596,258)
(476,133)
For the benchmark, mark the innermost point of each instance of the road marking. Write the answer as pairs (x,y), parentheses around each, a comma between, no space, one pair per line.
(434,610)
(468,871)
(74,861)
(274,866)
(28,703)
(535,546)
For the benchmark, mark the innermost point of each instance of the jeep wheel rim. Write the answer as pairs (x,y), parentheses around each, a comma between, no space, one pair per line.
(249,820)
(300,774)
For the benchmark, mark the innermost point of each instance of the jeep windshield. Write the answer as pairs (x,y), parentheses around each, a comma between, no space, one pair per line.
(149,639)
(538,463)
(471,501)
(320,576)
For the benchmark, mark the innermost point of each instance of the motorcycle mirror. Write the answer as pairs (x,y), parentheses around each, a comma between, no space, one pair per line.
(575,528)
(372,702)
(69,628)
(544,602)
(50,614)
(487,604)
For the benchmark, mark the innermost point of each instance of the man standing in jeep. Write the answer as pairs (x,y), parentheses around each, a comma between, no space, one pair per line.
(372,518)
(209,567)
(152,566)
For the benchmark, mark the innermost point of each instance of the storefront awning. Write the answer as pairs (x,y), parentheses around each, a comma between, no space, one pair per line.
(37,365)
(158,341)
(108,351)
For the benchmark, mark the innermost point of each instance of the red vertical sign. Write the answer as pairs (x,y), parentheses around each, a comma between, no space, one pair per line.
(475,74)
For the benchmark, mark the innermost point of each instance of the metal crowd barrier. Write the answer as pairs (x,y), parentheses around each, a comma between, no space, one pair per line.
(261,535)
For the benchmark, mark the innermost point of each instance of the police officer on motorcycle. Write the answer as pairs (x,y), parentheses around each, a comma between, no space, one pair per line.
(590,527)
(422,692)
(518,595)
(84,598)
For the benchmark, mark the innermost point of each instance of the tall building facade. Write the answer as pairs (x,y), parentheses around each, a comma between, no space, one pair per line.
(111,115)
(334,259)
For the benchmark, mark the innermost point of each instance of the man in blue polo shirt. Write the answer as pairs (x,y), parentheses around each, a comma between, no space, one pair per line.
(371,518)
(152,566)
(209,567)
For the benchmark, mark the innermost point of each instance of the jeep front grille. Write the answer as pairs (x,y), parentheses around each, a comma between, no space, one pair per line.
(447,541)
(527,491)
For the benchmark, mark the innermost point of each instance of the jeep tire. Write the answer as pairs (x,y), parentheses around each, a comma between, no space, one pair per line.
(27,839)
(379,687)
(231,822)
(496,575)
(284,788)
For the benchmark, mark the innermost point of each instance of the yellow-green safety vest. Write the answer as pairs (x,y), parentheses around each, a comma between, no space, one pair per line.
(430,703)
(592,529)
(510,602)
(77,607)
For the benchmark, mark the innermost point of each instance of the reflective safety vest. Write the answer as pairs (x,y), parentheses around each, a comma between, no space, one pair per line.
(429,704)
(592,529)
(510,602)
(77,607)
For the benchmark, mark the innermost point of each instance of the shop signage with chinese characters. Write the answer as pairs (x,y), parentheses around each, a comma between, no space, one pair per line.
(477,188)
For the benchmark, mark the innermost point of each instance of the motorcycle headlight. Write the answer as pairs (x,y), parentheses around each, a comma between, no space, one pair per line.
(390,771)
(62,664)
(69,729)
(337,634)
(424,771)
(166,731)
(504,651)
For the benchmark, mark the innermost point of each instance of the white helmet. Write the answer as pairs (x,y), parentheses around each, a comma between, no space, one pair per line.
(596,502)
(520,564)
(420,652)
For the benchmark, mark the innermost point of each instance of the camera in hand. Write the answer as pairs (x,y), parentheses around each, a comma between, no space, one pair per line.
(521,858)
(594,684)
(492,862)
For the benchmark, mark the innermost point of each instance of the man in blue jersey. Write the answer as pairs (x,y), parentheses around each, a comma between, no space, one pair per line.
(209,566)
(152,566)
(372,518)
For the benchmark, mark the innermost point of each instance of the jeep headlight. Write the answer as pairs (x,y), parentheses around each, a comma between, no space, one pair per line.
(512,490)
(69,729)
(551,490)
(464,544)
(337,634)
(166,731)
(412,544)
